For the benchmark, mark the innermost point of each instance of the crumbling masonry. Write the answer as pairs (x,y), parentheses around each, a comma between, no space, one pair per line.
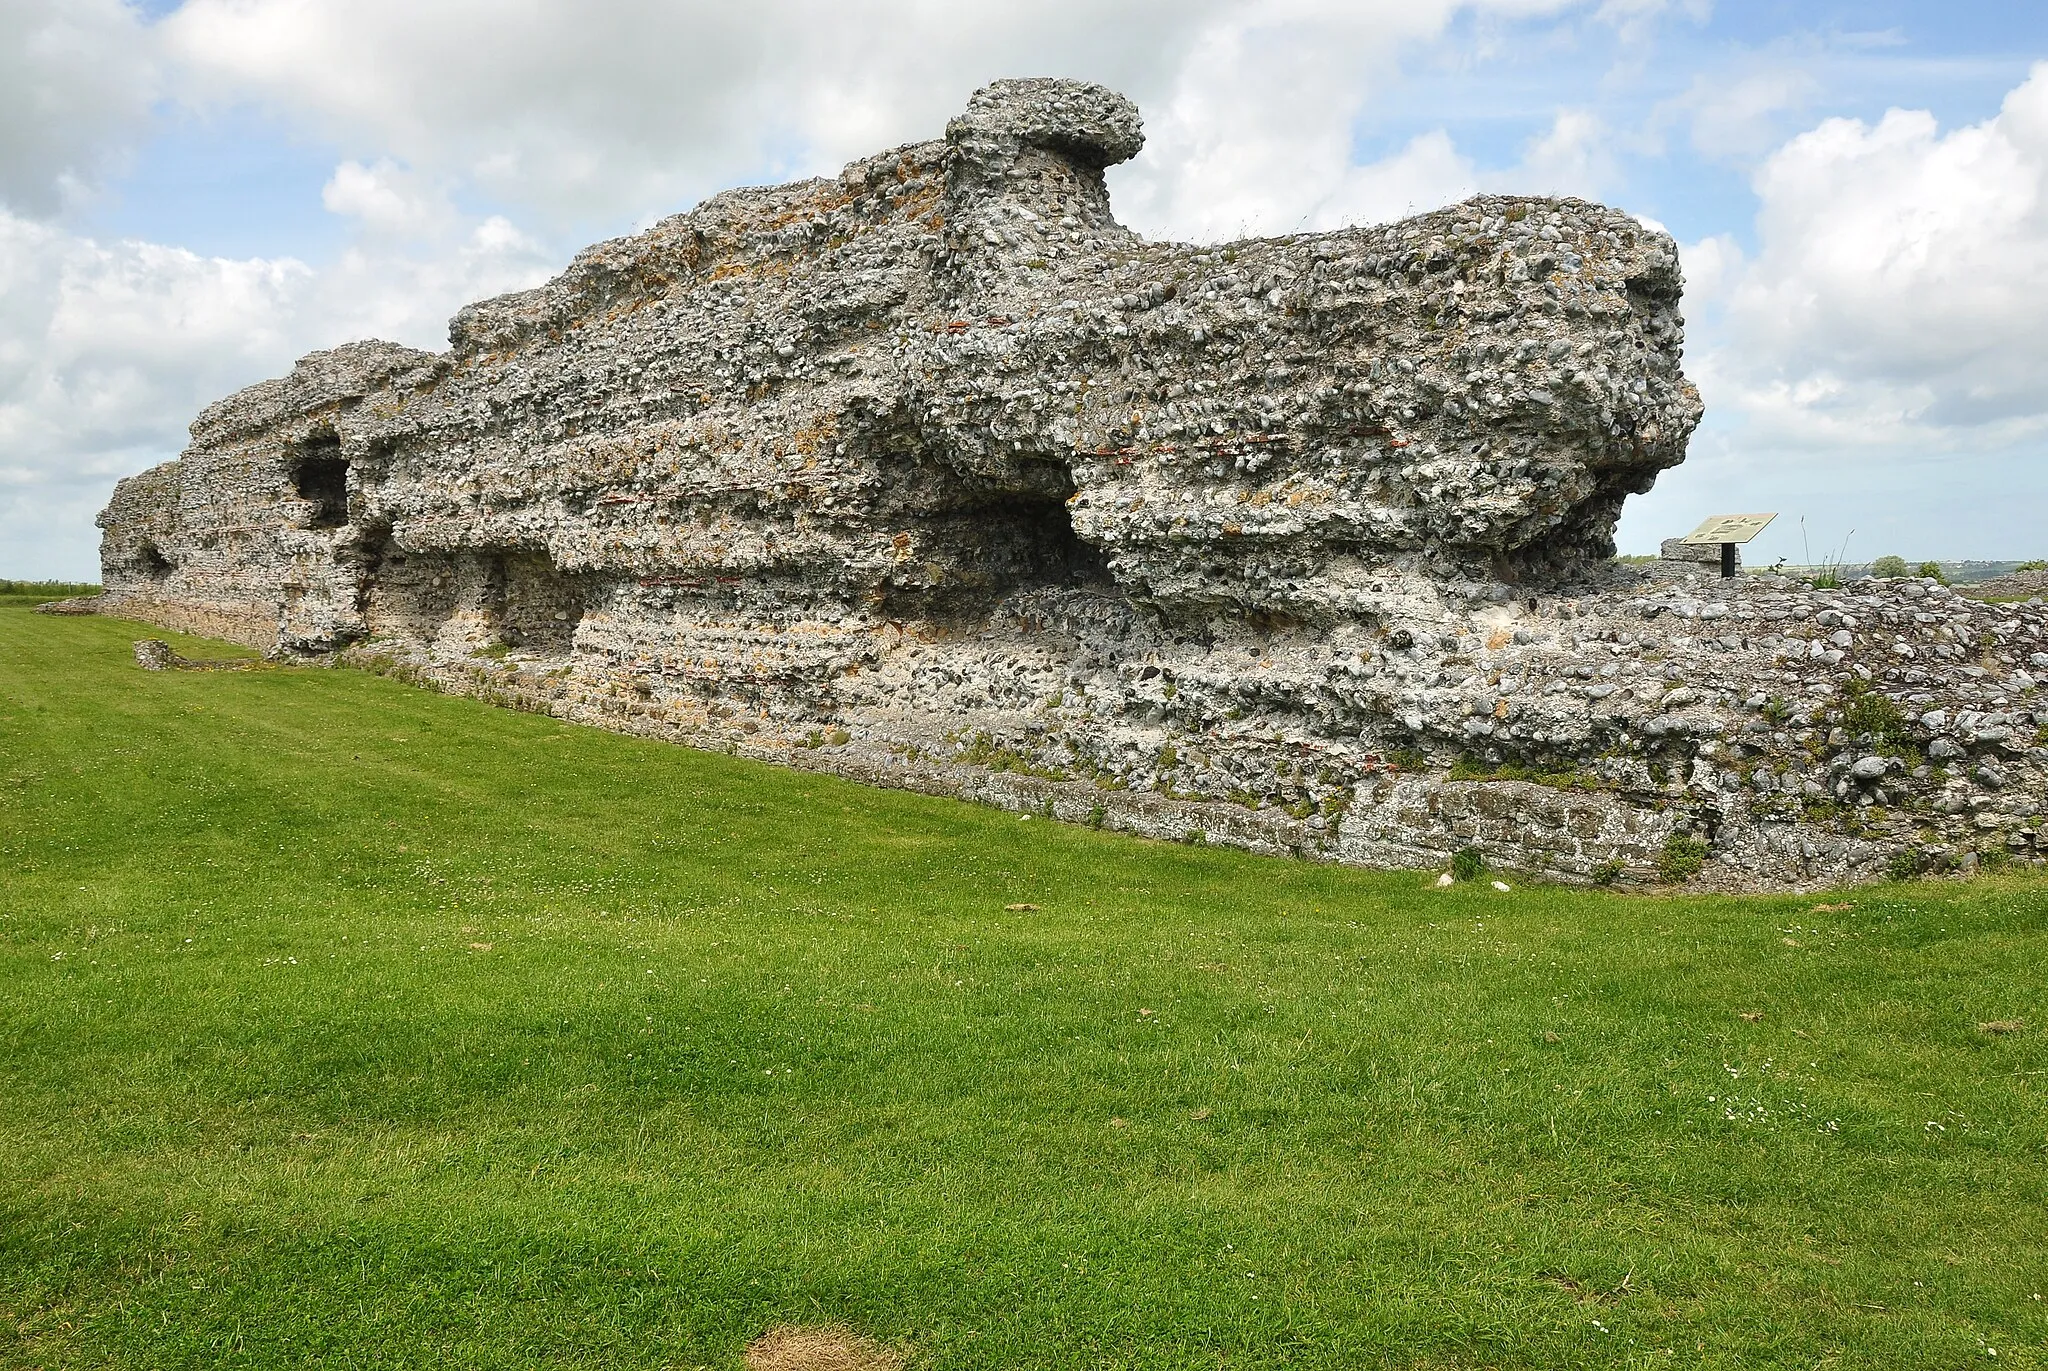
(936,476)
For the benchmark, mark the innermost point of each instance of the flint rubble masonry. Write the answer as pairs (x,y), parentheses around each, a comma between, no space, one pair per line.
(936,476)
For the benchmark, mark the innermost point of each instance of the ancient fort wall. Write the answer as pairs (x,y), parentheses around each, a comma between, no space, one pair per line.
(934,475)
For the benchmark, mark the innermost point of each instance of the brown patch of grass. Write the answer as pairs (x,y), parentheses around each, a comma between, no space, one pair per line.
(1583,1293)
(2000,1027)
(832,1347)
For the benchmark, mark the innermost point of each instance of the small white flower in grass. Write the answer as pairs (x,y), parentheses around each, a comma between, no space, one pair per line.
(1501,886)
(1443,880)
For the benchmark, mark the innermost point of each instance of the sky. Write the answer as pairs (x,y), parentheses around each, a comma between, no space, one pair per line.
(194,194)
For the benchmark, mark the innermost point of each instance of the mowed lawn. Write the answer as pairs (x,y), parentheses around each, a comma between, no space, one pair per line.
(347,1025)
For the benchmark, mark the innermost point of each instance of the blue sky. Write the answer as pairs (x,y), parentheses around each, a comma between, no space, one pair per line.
(192,194)
(1494,85)
(238,181)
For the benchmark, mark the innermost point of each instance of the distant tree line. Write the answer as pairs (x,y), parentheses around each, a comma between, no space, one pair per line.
(1890,568)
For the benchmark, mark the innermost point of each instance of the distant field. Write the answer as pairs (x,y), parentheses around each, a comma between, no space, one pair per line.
(1957,573)
(347,1025)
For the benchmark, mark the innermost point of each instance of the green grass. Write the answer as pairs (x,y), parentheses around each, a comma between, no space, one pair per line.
(347,1025)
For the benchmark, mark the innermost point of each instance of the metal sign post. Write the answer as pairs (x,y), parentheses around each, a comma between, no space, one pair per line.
(1728,530)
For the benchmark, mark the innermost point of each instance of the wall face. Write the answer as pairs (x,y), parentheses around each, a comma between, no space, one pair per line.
(935,475)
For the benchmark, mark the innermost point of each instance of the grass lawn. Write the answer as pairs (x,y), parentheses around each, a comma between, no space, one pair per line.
(347,1025)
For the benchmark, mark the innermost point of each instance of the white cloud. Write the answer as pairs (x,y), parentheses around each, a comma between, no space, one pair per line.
(611,110)
(1634,18)
(95,340)
(1711,265)
(1876,363)
(387,199)
(1257,133)
(1427,173)
(1897,291)
(1737,116)
(1254,133)
(76,77)
(1572,157)
(107,351)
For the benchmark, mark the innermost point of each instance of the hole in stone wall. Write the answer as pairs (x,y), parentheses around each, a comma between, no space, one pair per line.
(1042,547)
(538,606)
(154,564)
(372,544)
(1270,619)
(486,598)
(967,535)
(320,476)
(365,555)
(968,559)
(411,595)
(1583,538)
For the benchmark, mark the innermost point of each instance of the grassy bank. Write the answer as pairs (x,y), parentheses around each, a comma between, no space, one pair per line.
(347,1025)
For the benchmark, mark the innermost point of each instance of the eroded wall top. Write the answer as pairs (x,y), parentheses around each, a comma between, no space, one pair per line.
(949,371)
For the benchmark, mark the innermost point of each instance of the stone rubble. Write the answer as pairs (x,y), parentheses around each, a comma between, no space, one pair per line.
(154,654)
(935,476)
(2014,585)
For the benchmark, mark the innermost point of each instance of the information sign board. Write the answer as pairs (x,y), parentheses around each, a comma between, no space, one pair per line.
(1729,528)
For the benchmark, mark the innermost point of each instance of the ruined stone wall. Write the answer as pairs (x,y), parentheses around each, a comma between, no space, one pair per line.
(934,475)
(249,536)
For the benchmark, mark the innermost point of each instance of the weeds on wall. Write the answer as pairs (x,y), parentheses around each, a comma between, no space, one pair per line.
(1683,857)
